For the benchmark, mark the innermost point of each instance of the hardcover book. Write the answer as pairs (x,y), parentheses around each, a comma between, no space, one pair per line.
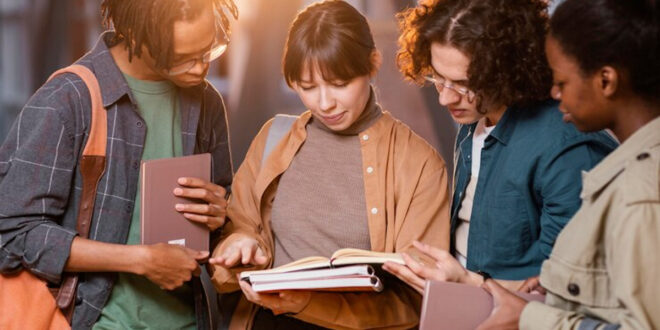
(458,306)
(161,222)
(345,270)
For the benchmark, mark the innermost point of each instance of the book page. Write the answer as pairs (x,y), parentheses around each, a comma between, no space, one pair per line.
(300,264)
(357,256)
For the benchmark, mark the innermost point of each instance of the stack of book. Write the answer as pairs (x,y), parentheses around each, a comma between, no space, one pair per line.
(346,270)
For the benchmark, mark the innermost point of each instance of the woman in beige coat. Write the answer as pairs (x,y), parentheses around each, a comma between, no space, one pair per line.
(603,270)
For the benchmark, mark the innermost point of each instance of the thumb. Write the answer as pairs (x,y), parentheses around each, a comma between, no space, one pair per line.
(494,288)
(260,257)
(201,256)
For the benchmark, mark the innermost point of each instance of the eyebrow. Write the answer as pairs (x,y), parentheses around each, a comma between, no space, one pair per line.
(182,55)
(458,82)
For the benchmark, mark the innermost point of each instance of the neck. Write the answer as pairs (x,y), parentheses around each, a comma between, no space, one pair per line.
(136,67)
(494,115)
(637,113)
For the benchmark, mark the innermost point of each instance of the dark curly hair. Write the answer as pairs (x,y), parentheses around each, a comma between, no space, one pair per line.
(151,23)
(504,40)
(333,35)
(622,34)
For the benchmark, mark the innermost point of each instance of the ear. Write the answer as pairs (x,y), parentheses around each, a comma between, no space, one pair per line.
(607,81)
(376,59)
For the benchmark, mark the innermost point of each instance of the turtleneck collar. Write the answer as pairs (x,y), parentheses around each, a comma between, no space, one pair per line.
(367,118)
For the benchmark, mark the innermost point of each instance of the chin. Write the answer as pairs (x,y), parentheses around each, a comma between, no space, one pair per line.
(465,121)
(188,82)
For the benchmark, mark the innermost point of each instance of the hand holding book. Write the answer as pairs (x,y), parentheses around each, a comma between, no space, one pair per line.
(213,207)
(279,302)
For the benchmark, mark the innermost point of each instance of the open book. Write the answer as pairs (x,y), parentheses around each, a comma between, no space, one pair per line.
(345,270)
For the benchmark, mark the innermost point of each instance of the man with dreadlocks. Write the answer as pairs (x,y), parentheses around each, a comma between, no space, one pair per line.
(151,69)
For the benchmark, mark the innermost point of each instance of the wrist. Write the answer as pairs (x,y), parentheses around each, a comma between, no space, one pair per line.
(139,257)
(473,279)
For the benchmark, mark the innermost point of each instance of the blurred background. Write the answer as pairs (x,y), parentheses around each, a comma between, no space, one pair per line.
(39,36)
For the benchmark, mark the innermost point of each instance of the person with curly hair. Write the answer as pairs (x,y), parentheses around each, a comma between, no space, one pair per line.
(517,165)
(603,269)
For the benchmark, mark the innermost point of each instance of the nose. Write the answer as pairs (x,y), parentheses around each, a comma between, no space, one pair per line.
(447,97)
(555,93)
(327,99)
(199,68)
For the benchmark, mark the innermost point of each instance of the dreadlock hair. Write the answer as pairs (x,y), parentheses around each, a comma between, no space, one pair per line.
(150,23)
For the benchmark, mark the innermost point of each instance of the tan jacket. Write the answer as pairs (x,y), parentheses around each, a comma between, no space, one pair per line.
(605,265)
(407,200)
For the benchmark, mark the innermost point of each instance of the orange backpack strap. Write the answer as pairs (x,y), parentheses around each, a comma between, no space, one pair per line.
(98,132)
(92,166)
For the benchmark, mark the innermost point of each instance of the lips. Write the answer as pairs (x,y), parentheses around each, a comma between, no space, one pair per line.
(333,119)
(567,116)
(457,112)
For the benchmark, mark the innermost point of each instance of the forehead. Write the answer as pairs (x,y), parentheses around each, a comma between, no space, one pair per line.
(449,62)
(556,57)
(312,71)
(193,36)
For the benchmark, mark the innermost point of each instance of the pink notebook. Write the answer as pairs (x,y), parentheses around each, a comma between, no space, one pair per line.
(458,306)
(161,223)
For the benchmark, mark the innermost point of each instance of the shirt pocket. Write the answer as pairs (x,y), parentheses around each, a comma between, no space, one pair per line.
(584,285)
(508,220)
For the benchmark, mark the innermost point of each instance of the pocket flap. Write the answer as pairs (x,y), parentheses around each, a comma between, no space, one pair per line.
(587,286)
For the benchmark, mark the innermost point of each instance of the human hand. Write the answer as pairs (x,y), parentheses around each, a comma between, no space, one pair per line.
(169,266)
(280,302)
(245,250)
(444,268)
(507,308)
(532,285)
(212,213)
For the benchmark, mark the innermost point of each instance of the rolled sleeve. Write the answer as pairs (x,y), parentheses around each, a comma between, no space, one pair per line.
(37,164)
(537,315)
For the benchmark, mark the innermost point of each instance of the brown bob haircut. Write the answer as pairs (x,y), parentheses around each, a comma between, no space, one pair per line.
(333,36)
(150,23)
(504,40)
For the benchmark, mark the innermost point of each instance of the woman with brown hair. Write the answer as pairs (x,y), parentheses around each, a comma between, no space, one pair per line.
(301,200)
(517,165)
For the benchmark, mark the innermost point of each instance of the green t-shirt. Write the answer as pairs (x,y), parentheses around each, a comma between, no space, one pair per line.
(136,302)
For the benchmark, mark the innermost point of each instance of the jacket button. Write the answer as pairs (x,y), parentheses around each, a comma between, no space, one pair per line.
(78,300)
(573,289)
(643,156)
(139,124)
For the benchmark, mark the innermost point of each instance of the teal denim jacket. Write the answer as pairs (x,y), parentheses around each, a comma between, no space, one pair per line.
(528,187)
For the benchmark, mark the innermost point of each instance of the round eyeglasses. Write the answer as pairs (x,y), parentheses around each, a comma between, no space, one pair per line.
(441,83)
(218,48)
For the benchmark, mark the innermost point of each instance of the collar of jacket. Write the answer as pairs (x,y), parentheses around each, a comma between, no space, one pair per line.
(504,128)
(111,81)
(291,143)
(645,138)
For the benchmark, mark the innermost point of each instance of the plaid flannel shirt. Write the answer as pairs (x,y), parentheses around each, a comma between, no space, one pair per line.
(40,183)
